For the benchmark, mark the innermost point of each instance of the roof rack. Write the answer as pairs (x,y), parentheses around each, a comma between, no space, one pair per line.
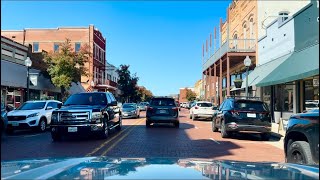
(244,97)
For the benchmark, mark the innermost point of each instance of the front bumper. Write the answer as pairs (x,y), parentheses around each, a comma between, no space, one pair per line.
(25,124)
(83,129)
(251,128)
(129,115)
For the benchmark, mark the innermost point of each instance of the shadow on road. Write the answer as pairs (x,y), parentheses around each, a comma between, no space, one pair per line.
(251,137)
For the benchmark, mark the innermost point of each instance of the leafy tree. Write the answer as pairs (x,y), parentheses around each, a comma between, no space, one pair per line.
(145,94)
(66,66)
(127,84)
(191,96)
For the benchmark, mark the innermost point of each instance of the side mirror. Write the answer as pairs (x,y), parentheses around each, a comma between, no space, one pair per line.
(49,108)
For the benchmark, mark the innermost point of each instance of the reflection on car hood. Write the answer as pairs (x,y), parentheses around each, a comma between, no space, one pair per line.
(151,168)
(128,109)
(22,112)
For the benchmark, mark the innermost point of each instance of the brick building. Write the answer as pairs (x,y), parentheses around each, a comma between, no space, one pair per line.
(50,38)
(183,94)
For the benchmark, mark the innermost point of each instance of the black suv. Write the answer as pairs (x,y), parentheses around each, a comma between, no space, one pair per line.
(239,114)
(162,110)
(85,113)
(301,143)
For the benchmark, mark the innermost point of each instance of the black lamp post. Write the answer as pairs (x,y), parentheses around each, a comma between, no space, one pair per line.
(28,63)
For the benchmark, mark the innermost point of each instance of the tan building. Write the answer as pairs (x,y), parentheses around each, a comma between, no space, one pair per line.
(183,94)
(49,39)
(198,89)
(238,36)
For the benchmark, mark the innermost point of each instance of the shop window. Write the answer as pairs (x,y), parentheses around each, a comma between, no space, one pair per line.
(284,97)
(311,92)
(267,96)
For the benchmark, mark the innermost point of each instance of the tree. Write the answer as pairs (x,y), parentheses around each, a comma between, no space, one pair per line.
(145,94)
(127,84)
(66,66)
(191,96)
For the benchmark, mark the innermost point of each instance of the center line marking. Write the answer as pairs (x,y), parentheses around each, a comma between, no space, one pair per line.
(215,141)
(196,127)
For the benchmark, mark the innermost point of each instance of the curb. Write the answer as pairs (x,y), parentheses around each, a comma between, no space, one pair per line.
(276,135)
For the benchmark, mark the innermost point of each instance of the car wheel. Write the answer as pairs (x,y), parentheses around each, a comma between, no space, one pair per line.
(265,136)
(190,116)
(224,132)
(299,152)
(9,131)
(148,124)
(105,131)
(42,125)
(119,124)
(138,116)
(214,128)
(176,124)
(56,137)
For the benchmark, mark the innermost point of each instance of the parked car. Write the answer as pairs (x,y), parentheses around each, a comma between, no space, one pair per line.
(4,120)
(143,106)
(34,115)
(130,110)
(162,110)
(312,105)
(237,114)
(201,109)
(86,113)
(301,142)
(117,108)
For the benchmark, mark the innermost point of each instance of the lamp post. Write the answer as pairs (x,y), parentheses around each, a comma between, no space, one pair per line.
(28,63)
(247,63)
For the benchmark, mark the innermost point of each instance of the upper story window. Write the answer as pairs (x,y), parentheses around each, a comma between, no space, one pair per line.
(56,47)
(35,47)
(283,16)
(77,47)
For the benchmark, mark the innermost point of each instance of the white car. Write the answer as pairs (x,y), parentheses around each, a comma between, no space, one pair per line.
(202,109)
(32,114)
(312,105)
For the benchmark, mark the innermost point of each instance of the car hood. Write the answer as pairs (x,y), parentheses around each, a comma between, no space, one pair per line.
(150,168)
(22,112)
(128,109)
(80,107)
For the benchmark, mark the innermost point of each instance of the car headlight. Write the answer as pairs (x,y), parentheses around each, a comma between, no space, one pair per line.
(96,115)
(134,111)
(33,115)
(54,117)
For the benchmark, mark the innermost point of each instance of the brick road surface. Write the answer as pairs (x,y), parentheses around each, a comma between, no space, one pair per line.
(194,139)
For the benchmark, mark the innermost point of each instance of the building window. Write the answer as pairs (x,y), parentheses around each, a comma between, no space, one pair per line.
(311,93)
(98,54)
(56,47)
(35,47)
(283,16)
(284,97)
(77,47)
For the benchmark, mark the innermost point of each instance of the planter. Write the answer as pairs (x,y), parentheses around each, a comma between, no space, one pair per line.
(238,83)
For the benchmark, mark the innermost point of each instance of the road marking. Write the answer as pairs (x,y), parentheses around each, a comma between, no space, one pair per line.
(115,143)
(196,127)
(188,121)
(215,141)
(121,132)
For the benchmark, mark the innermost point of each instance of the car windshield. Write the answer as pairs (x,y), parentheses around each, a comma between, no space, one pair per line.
(250,106)
(162,102)
(32,106)
(129,106)
(204,104)
(87,99)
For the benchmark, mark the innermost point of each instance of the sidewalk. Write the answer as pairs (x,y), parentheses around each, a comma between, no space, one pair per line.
(277,138)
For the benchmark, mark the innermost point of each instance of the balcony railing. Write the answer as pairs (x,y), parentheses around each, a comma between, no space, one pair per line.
(232,45)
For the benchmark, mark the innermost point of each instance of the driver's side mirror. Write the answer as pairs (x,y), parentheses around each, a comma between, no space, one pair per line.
(49,108)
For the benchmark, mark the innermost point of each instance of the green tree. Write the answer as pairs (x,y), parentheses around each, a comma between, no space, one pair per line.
(128,84)
(66,66)
(145,94)
(191,96)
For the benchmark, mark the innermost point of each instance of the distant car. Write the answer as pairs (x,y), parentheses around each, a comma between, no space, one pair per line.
(236,114)
(301,142)
(130,110)
(201,109)
(32,115)
(4,120)
(162,110)
(143,106)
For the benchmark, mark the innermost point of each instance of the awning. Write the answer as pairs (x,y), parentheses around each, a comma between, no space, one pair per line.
(260,72)
(13,75)
(299,65)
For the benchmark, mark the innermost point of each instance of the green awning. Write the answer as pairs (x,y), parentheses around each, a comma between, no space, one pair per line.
(300,65)
(260,72)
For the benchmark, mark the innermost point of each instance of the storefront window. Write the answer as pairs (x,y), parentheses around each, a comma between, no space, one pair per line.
(284,97)
(311,91)
(267,95)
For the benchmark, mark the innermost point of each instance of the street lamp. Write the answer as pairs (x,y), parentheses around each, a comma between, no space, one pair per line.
(28,63)
(247,63)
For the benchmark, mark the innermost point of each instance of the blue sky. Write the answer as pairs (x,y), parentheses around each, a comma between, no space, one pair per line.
(160,40)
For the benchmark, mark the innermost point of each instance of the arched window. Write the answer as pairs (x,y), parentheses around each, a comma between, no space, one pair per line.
(251,31)
(283,16)
(244,26)
(235,40)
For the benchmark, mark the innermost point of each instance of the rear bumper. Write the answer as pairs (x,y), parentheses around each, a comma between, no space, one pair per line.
(251,128)
(162,119)
(203,115)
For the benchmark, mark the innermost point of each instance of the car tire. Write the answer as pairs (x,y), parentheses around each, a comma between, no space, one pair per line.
(56,137)
(224,132)
(176,124)
(214,128)
(9,131)
(105,131)
(42,126)
(299,152)
(190,116)
(148,124)
(265,136)
(119,127)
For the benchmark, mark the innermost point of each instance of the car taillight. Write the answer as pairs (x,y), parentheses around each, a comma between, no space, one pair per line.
(175,108)
(149,108)
(234,113)
(196,107)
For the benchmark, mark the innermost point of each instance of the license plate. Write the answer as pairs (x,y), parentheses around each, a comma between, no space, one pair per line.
(252,115)
(15,124)
(72,129)
(162,111)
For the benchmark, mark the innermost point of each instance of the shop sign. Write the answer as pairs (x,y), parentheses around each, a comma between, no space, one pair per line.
(316,82)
